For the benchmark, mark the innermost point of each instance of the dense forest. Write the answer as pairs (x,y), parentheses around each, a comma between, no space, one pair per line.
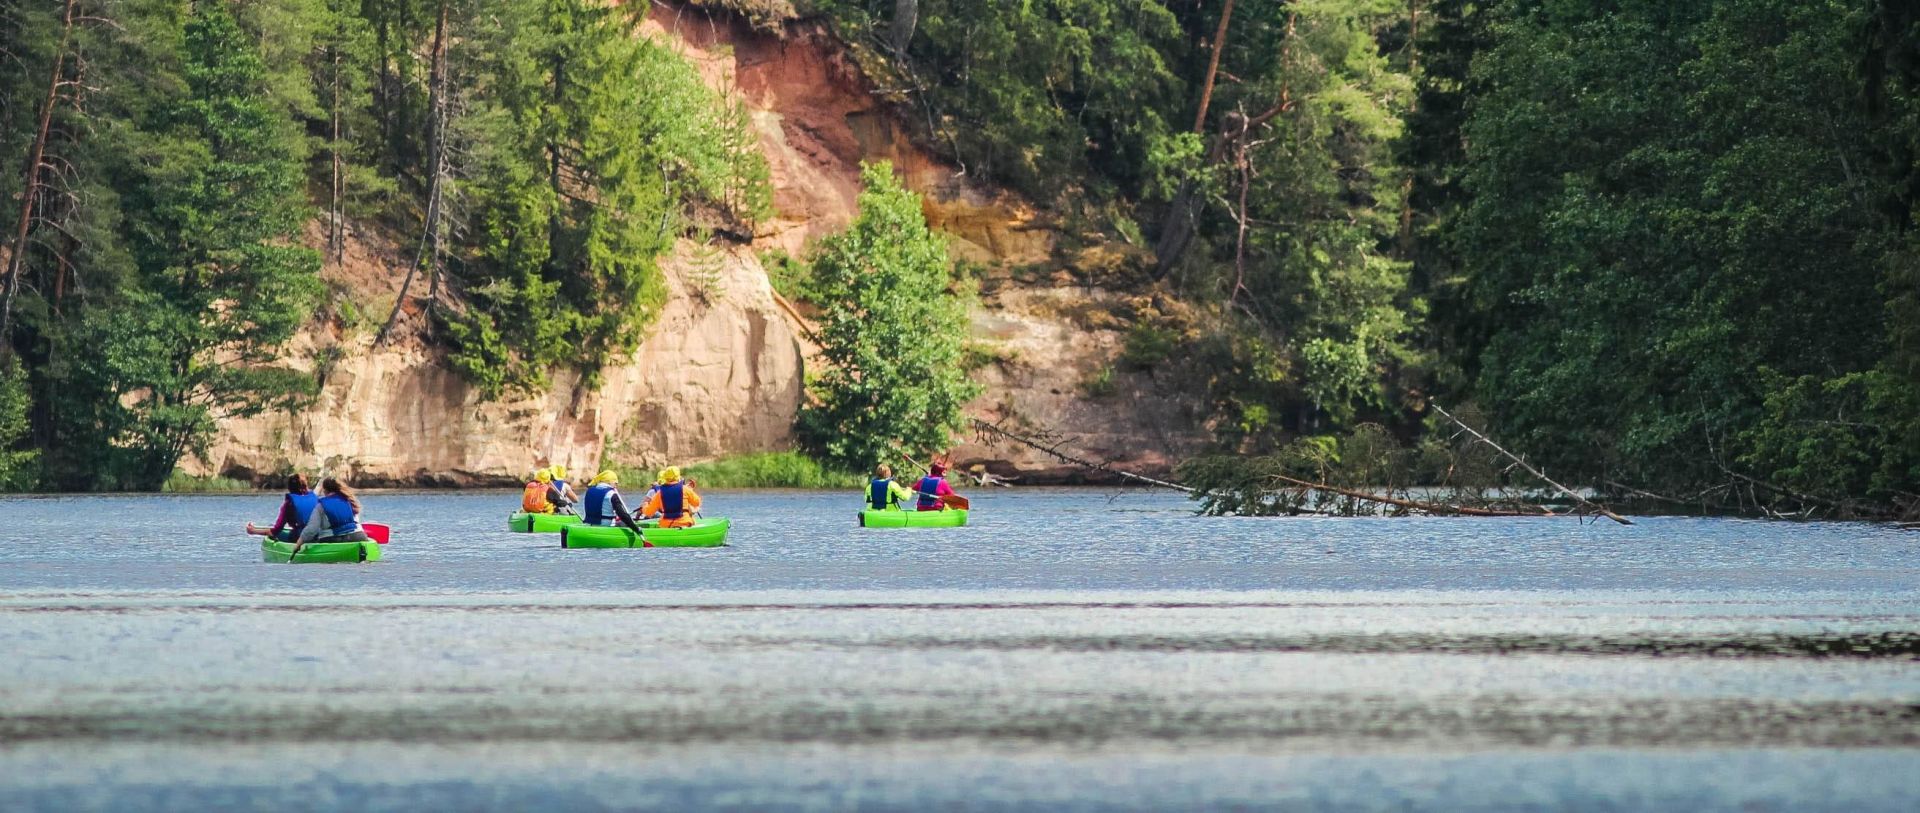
(1665,248)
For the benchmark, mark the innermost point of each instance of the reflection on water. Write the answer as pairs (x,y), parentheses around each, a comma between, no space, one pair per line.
(1070,650)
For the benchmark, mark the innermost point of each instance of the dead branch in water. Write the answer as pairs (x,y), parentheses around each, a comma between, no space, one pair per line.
(1583,502)
(1415,505)
(989,431)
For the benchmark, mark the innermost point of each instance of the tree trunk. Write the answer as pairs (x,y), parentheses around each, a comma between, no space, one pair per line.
(1183,212)
(1413,106)
(336,210)
(906,15)
(429,252)
(30,186)
(1213,69)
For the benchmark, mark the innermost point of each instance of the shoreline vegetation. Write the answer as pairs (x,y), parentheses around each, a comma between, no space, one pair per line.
(1661,254)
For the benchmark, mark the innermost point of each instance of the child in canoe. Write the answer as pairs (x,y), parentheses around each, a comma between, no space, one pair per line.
(883,493)
(673,500)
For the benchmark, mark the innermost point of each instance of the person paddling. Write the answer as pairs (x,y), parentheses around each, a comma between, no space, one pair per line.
(883,493)
(540,495)
(294,510)
(675,500)
(336,517)
(603,504)
(563,488)
(932,487)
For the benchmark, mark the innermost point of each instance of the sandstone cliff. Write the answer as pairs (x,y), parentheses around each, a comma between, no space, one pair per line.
(721,372)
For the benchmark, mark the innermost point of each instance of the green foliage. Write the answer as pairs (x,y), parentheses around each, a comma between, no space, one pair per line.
(1099,384)
(1857,434)
(890,333)
(1047,95)
(588,142)
(1367,458)
(790,276)
(17,464)
(181,482)
(1148,345)
(1664,198)
(771,470)
(222,287)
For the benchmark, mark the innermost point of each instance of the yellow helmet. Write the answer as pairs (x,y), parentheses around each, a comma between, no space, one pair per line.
(670,474)
(544,475)
(559,472)
(609,477)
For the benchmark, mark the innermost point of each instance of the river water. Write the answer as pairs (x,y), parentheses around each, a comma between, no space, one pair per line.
(1070,650)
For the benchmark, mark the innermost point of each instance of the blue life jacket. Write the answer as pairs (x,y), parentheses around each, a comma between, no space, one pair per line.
(303,503)
(880,495)
(929,486)
(340,521)
(559,486)
(599,508)
(673,500)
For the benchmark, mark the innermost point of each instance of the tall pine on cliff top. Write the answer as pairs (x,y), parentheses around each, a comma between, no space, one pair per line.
(891,334)
(573,205)
(222,284)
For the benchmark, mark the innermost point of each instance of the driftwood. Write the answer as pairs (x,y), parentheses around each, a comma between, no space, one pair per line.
(992,430)
(1583,502)
(1416,505)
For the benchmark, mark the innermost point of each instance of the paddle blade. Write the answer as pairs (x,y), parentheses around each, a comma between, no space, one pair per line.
(956,501)
(376,531)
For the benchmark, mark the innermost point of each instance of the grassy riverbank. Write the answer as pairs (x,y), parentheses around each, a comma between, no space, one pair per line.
(763,470)
(182,483)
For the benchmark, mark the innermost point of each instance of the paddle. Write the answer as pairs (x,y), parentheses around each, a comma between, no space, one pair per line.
(949,500)
(375,531)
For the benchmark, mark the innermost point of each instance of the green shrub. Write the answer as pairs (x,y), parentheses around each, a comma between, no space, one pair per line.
(790,276)
(180,482)
(770,470)
(1099,383)
(1148,345)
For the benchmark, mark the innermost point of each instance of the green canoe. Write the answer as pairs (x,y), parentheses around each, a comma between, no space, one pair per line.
(526,523)
(274,550)
(705,533)
(895,518)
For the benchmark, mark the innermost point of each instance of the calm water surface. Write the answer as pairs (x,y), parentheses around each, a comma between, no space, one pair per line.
(1071,650)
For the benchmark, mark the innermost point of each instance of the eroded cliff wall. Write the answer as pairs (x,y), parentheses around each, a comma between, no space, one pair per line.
(721,372)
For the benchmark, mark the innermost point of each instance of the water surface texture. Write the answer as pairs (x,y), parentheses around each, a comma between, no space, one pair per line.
(1071,650)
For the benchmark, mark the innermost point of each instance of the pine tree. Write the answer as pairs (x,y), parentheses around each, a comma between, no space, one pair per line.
(222,283)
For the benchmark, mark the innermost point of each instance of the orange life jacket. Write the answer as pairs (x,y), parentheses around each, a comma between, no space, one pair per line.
(534,499)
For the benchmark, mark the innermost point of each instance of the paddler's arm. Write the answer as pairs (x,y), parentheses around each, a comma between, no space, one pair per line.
(692,497)
(285,519)
(620,510)
(316,522)
(652,505)
(900,494)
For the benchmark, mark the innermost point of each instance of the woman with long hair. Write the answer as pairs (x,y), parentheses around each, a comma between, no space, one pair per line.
(337,517)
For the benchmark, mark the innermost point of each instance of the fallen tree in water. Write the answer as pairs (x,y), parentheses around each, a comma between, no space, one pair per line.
(1366,473)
